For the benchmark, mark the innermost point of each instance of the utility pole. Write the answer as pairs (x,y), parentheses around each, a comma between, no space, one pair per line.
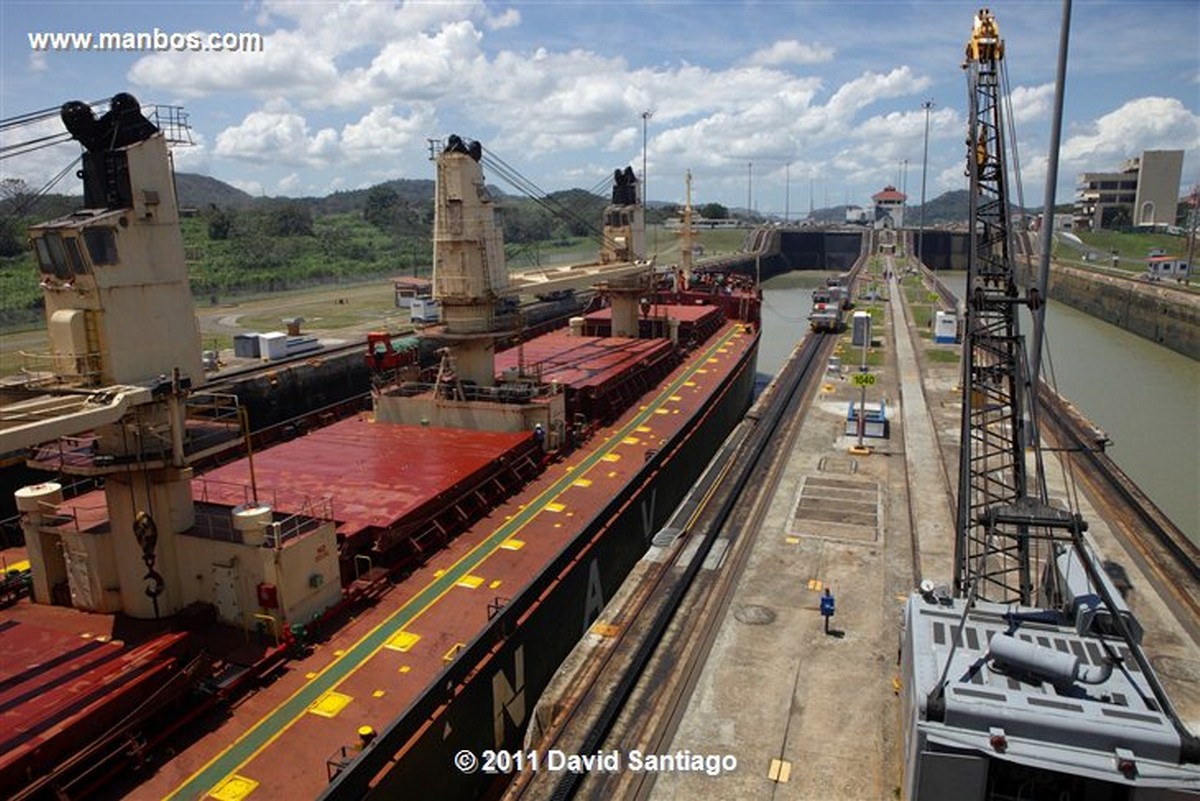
(927,105)
(646,115)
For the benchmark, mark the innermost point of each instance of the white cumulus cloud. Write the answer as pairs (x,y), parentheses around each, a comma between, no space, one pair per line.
(382,133)
(277,135)
(289,64)
(1031,103)
(425,66)
(791,51)
(1147,123)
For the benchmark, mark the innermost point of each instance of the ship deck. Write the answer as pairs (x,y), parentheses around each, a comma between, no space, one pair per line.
(376,474)
(276,743)
(581,362)
(53,684)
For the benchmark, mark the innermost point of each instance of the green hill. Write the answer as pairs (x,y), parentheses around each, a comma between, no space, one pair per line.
(202,192)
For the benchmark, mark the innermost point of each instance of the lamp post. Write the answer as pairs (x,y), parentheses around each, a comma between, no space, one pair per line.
(927,105)
(749,190)
(787,192)
(1193,217)
(646,115)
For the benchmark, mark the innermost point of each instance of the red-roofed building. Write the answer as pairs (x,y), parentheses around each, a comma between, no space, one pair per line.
(889,207)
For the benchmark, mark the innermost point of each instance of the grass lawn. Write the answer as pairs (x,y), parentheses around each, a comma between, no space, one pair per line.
(1131,248)
(940,354)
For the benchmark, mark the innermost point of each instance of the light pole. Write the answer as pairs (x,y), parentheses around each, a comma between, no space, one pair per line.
(646,115)
(927,105)
(749,190)
(787,192)
(1193,217)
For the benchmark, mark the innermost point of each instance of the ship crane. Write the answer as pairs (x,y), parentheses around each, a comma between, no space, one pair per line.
(119,396)
(471,280)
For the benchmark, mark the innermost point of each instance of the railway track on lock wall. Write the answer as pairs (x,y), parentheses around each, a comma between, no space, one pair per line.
(638,685)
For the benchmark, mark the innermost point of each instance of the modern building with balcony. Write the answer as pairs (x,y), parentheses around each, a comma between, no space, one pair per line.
(1144,192)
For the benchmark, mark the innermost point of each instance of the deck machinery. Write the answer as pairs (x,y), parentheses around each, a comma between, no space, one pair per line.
(1026,679)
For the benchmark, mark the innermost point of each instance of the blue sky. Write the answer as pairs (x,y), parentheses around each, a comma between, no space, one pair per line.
(779,101)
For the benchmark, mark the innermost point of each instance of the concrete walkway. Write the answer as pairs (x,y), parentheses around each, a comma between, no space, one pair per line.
(931,508)
(808,715)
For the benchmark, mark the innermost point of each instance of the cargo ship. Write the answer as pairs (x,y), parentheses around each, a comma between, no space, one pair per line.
(342,614)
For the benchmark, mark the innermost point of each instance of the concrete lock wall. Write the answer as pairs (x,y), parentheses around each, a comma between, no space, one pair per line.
(1151,311)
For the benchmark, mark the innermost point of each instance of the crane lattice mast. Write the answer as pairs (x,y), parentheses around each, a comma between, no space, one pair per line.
(996,520)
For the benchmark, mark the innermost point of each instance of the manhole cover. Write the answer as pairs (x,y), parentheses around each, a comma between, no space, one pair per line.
(754,615)
(838,464)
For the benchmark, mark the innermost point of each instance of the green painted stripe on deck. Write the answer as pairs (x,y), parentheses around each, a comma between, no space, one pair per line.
(281,718)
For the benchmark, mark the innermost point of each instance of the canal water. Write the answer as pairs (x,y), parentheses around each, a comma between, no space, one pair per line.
(1144,396)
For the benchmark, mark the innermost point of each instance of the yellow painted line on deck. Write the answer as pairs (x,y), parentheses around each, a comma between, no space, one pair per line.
(448,657)
(512,545)
(470,582)
(643,429)
(611,457)
(378,694)
(19,566)
(404,669)
(555,507)
(494,584)
(582,482)
(630,441)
